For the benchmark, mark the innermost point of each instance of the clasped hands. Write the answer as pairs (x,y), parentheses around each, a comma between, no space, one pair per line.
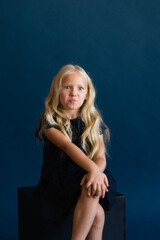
(96,183)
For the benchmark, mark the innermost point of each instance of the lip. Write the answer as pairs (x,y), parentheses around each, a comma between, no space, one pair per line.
(73,100)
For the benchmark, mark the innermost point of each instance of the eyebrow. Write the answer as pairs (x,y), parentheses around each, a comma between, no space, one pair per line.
(71,84)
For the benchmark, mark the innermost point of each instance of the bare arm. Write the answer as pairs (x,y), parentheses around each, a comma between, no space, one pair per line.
(95,176)
(99,157)
(75,153)
(100,160)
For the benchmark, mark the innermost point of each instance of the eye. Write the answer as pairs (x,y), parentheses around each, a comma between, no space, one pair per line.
(67,87)
(80,88)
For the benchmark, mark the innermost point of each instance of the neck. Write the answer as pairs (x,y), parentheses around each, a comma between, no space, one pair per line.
(72,115)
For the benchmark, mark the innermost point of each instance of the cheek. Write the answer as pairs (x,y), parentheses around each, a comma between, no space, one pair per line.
(85,96)
(62,95)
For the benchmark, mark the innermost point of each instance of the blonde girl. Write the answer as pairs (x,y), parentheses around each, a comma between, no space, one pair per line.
(72,174)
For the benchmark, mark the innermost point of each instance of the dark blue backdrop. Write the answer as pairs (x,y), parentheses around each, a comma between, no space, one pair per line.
(117,42)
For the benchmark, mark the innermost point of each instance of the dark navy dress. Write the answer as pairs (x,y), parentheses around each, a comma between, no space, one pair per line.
(59,186)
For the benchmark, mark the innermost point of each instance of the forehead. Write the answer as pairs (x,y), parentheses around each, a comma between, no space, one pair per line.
(74,78)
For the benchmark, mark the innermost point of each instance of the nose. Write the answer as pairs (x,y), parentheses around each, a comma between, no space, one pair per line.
(73,92)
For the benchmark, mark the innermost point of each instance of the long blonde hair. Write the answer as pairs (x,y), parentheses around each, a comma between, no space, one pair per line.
(55,114)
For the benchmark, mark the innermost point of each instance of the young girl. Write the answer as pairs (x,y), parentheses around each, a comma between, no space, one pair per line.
(72,174)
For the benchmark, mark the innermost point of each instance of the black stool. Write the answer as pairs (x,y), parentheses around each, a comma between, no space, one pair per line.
(29,226)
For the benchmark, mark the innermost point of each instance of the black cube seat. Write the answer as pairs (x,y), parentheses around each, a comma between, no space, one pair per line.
(29,226)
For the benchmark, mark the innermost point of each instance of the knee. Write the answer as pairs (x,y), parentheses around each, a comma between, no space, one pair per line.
(84,195)
(100,217)
(86,201)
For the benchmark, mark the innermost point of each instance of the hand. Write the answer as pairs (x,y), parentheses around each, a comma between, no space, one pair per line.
(97,193)
(96,183)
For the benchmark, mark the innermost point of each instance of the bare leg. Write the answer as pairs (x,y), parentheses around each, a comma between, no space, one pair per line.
(96,230)
(84,215)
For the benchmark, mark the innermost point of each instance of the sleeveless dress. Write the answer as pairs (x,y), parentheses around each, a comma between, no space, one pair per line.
(59,187)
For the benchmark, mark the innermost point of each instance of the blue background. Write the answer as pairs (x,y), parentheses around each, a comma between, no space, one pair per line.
(117,43)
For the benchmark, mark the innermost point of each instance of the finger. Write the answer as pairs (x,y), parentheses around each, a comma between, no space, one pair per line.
(89,191)
(98,191)
(83,180)
(106,189)
(94,188)
(88,184)
(106,181)
(103,189)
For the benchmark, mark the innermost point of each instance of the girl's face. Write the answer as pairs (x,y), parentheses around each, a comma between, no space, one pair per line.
(73,93)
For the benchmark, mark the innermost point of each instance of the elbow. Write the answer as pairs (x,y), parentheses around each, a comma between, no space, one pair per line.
(105,164)
(101,162)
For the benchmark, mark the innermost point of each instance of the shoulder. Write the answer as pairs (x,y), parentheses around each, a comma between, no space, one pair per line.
(102,127)
(42,125)
(56,137)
